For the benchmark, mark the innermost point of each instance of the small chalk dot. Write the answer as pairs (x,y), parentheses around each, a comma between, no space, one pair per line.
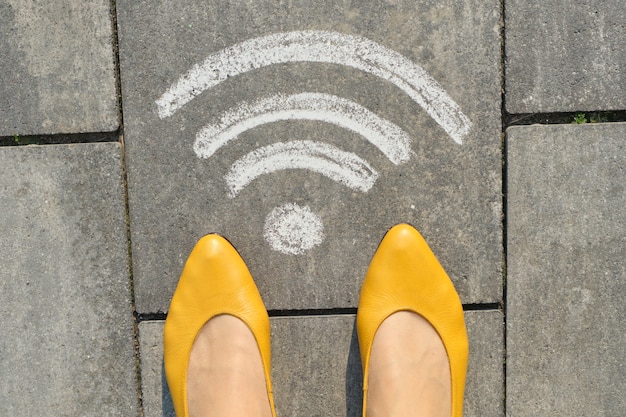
(292,229)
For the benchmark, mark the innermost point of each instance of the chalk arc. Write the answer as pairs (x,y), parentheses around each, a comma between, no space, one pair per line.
(390,139)
(319,46)
(344,167)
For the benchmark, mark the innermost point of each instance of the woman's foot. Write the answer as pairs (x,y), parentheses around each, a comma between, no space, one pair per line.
(409,371)
(225,377)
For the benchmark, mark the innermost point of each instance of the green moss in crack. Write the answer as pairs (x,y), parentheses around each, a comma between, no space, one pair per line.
(580,118)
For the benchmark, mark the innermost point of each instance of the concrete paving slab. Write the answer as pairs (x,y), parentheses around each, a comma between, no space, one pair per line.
(57,72)
(566,317)
(484,389)
(313,108)
(565,56)
(317,369)
(65,313)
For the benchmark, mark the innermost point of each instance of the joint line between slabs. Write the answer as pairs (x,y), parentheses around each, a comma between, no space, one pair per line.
(506,121)
(60,138)
(575,117)
(160,316)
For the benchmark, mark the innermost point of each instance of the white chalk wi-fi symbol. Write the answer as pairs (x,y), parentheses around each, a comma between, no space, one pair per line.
(290,228)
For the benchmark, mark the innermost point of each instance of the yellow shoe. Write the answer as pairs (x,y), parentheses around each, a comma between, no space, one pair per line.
(215,281)
(404,275)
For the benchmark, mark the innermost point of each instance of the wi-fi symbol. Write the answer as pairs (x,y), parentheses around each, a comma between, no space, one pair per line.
(290,228)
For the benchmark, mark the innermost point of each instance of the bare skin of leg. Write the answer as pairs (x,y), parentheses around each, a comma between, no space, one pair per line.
(409,373)
(225,377)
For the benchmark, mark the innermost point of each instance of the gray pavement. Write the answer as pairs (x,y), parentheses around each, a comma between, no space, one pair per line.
(459,182)
(67,331)
(565,56)
(376,112)
(57,69)
(566,309)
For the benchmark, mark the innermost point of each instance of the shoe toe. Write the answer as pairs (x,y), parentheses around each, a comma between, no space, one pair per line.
(405,275)
(214,281)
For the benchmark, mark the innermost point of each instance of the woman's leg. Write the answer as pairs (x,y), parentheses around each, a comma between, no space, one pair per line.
(225,376)
(409,372)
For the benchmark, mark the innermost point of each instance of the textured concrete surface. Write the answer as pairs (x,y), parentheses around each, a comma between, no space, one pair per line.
(155,396)
(450,192)
(565,56)
(566,316)
(57,69)
(316,367)
(65,312)
(67,338)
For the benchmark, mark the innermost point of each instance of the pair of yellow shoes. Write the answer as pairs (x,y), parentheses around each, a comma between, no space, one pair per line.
(404,275)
